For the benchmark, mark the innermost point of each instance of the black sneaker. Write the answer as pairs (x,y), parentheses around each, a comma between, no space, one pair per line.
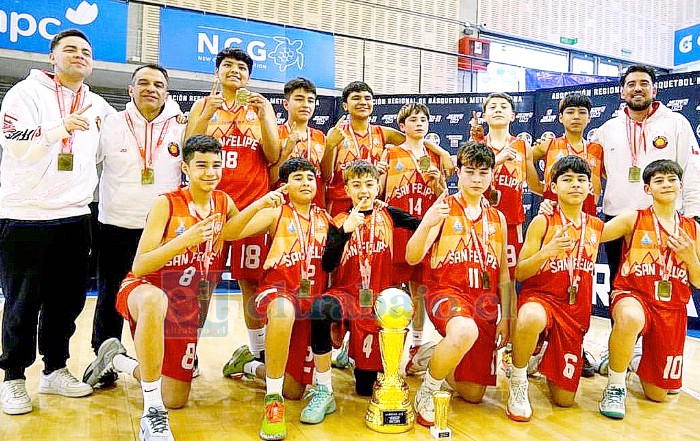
(589,365)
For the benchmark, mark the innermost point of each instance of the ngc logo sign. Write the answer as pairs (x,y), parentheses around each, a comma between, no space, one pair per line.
(687,45)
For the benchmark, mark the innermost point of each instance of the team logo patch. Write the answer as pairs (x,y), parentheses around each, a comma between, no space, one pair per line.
(458,227)
(98,123)
(646,240)
(180,229)
(174,149)
(250,115)
(399,166)
(291,228)
(660,142)
(214,118)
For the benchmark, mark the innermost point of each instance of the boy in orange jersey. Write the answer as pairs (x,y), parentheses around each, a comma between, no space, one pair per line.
(297,139)
(650,293)
(513,168)
(178,262)
(357,139)
(245,123)
(574,115)
(467,281)
(556,267)
(362,255)
(411,183)
(293,277)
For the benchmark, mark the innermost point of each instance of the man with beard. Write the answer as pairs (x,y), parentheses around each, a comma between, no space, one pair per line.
(646,131)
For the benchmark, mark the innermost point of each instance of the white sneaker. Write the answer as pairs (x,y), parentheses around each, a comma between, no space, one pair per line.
(613,403)
(425,408)
(518,408)
(15,399)
(155,425)
(62,382)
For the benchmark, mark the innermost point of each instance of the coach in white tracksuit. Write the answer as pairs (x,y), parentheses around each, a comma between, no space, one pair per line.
(51,125)
(645,131)
(146,136)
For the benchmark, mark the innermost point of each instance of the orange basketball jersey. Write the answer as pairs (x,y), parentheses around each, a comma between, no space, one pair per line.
(368,147)
(554,278)
(361,246)
(183,271)
(457,252)
(286,258)
(407,190)
(245,175)
(641,267)
(508,182)
(592,154)
(311,149)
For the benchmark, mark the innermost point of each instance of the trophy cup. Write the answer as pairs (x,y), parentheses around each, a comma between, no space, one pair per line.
(390,410)
(441,399)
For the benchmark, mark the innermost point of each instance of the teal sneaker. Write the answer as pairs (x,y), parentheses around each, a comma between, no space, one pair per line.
(321,404)
(613,403)
(239,358)
(343,360)
(274,423)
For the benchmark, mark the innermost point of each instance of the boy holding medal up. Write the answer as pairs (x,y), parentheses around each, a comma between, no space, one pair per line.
(560,251)
(652,288)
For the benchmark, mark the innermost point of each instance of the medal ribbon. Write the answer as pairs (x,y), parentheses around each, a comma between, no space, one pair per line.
(665,261)
(78,99)
(413,157)
(306,243)
(636,143)
(364,255)
(357,145)
(147,154)
(204,263)
(481,247)
(570,262)
(571,152)
(308,140)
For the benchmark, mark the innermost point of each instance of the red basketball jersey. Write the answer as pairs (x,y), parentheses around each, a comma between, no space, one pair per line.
(553,278)
(592,154)
(508,180)
(458,249)
(368,147)
(245,175)
(361,246)
(286,258)
(407,190)
(642,264)
(179,278)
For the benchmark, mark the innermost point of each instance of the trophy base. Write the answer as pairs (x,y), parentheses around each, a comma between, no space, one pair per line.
(445,433)
(390,420)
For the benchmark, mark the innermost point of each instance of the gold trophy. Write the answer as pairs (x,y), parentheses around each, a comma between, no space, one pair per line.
(390,410)
(441,400)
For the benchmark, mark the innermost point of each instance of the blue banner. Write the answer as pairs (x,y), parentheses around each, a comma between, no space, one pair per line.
(191,40)
(686,47)
(29,25)
(543,79)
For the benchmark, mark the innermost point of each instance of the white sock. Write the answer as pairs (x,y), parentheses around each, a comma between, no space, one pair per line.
(124,363)
(251,367)
(519,373)
(152,396)
(431,383)
(325,379)
(274,385)
(257,340)
(617,378)
(417,338)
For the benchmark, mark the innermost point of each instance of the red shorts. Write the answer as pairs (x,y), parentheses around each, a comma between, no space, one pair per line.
(515,244)
(248,256)
(266,294)
(181,323)
(664,339)
(337,206)
(364,331)
(479,364)
(561,363)
(403,272)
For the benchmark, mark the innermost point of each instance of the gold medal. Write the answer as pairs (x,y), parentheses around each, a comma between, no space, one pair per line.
(305,289)
(494,197)
(147,176)
(634,174)
(242,96)
(485,280)
(663,290)
(366,296)
(572,294)
(65,161)
(424,163)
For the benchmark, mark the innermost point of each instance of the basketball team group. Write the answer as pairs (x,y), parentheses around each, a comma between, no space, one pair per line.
(316,225)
